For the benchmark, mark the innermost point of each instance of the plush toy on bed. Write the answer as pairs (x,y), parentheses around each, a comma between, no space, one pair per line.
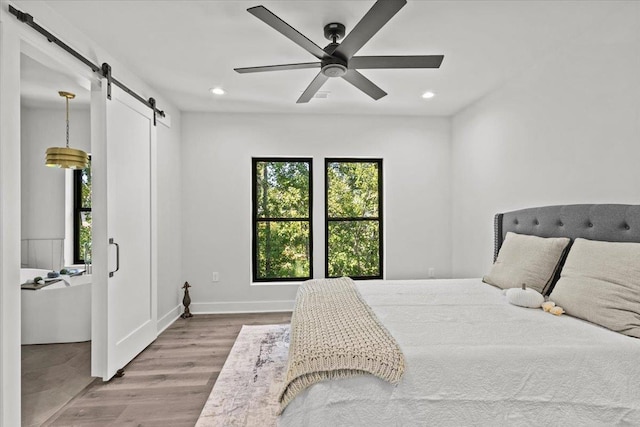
(551,307)
(524,297)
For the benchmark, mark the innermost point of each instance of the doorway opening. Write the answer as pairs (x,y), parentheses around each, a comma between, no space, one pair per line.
(56,310)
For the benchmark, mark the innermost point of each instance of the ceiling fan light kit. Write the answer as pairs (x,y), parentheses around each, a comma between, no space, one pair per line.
(338,59)
(333,67)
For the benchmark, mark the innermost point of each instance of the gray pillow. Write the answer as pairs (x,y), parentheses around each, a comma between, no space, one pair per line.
(600,282)
(527,259)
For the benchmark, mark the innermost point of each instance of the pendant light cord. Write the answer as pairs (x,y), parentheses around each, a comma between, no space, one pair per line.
(67,121)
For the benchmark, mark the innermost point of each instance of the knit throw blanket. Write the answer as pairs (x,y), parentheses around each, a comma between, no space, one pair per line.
(335,334)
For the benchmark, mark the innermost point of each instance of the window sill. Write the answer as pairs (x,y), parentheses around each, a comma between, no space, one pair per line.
(292,283)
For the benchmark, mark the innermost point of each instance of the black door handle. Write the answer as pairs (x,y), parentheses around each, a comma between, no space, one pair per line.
(111,242)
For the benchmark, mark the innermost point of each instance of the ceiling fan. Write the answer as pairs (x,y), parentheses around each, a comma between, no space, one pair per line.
(338,59)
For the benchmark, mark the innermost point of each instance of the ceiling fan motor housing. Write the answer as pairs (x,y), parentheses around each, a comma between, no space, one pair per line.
(333,66)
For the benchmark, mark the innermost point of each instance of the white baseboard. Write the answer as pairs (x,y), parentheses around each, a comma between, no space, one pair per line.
(168,319)
(241,307)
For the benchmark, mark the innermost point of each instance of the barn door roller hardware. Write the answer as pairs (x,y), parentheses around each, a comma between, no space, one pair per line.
(104,70)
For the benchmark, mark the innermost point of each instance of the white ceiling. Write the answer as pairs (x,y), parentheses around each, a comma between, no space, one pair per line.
(39,87)
(183,48)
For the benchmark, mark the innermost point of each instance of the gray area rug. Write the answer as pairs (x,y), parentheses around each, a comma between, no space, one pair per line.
(246,391)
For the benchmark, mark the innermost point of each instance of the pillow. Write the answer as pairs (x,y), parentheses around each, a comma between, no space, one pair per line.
(527,259)
(600,282)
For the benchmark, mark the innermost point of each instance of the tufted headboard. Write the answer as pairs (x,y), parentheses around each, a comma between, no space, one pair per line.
(612,223)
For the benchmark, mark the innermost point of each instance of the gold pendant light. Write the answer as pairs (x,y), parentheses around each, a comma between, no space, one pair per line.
(65,157)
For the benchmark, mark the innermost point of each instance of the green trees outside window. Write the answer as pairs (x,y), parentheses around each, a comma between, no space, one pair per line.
(282,223)
(282,218)
(353,231)
(82,215)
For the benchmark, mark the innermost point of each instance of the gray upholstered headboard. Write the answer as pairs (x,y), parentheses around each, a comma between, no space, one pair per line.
(613,223)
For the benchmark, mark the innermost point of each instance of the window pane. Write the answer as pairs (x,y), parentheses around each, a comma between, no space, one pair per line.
(282,189)
(353,248)
(85,236)
(82,214)
(85,187)
(283,249)
(352,189)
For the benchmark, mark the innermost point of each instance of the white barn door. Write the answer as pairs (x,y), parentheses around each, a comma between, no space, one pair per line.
(124,294)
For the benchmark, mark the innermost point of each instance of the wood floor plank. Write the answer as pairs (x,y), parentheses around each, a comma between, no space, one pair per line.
(176,365)
(95,416)
(169,382)
(137,396)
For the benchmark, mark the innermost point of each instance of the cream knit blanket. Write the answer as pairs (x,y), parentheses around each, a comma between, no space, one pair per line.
(335,334)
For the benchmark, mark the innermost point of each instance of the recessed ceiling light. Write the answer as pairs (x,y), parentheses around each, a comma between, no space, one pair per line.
(428,95)
(217,91)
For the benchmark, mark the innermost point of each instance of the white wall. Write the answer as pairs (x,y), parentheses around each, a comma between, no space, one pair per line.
(216,200)
(43,189)
(567,131)
(169,221)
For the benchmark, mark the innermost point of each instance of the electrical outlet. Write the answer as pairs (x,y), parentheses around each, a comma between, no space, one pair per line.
(432,273)
(215,277)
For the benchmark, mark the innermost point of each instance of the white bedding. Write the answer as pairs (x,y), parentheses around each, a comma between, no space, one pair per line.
(474,359)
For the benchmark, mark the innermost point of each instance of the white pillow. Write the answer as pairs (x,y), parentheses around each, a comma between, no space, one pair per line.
(531,260)
(600,282)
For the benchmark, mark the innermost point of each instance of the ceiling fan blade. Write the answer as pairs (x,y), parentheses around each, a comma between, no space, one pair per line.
(266,16)
(379,14)
(311,90)
(299,66)
(364,84)
(411,61)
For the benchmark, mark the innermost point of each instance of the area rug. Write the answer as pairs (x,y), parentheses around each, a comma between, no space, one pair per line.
(246,391)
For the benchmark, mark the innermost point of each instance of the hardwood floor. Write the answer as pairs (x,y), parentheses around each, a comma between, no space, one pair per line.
(52,374)
(169,382)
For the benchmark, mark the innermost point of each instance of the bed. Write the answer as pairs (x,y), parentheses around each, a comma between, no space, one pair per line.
(471,358)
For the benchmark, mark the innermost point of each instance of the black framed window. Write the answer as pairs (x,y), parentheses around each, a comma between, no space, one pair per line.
(353,212)
(82,215)
(282,219)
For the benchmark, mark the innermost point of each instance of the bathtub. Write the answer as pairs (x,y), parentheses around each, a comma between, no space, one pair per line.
(57,313)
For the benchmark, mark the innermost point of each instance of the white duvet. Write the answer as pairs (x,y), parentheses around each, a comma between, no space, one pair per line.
(474,359)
